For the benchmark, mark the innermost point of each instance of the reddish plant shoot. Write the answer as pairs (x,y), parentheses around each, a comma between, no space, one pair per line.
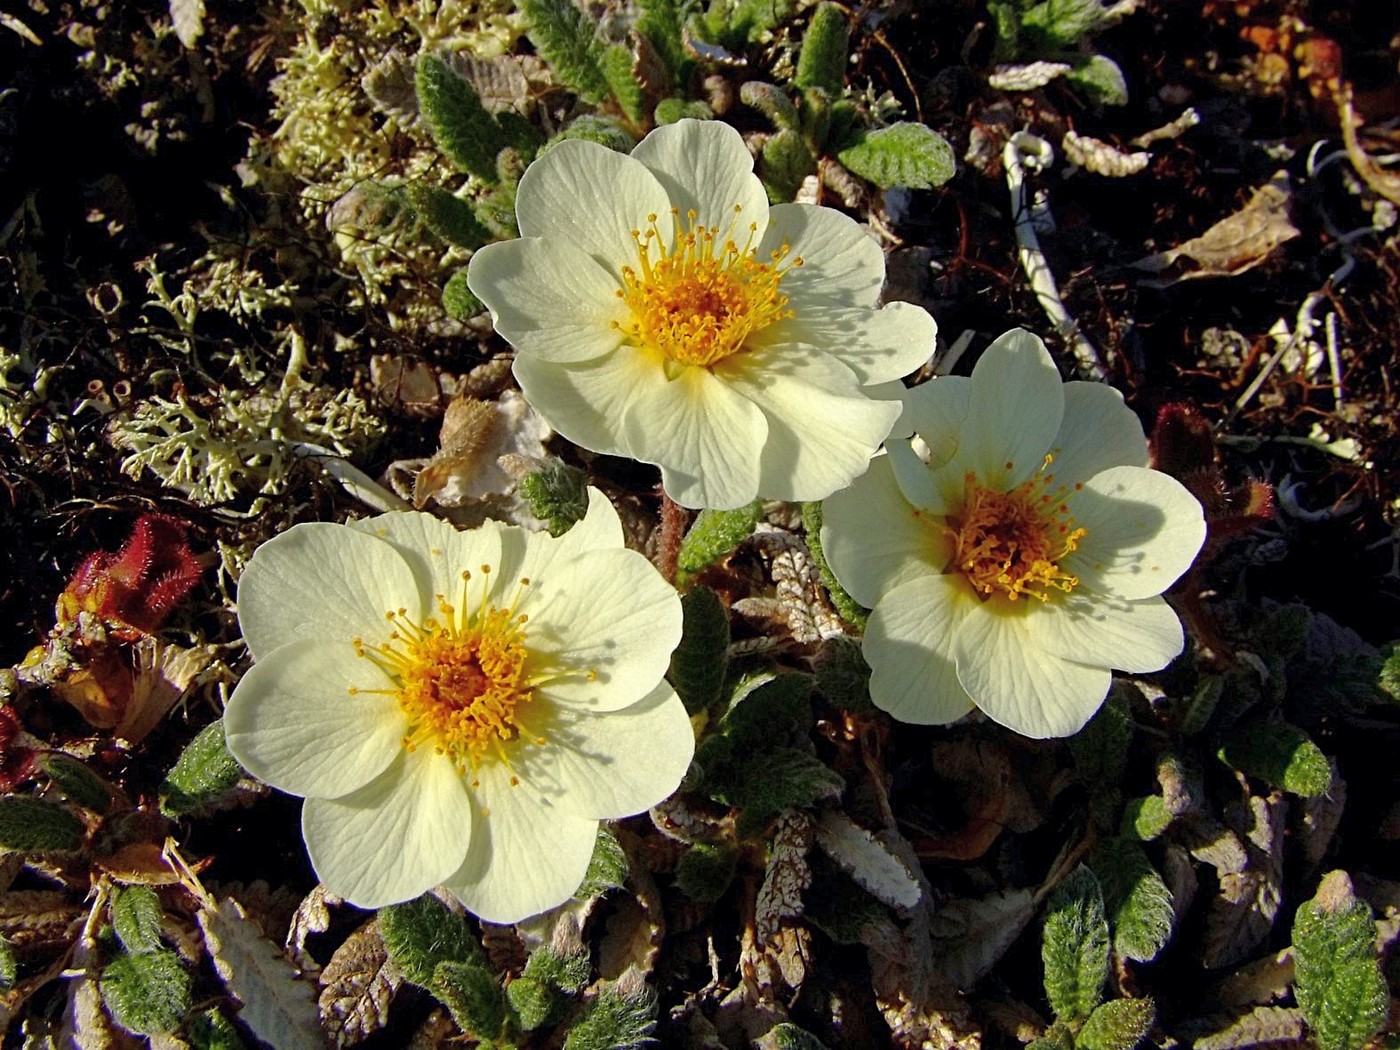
(140,584)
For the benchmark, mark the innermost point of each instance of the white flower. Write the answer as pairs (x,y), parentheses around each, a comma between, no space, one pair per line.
(661,310)
(458,708)
(1023,558)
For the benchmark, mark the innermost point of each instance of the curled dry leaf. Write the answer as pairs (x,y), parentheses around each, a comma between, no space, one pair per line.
(781,941)
(312,916)
(357,986)
(801,604)
(632,938)
(1233,245)
(1102,158)
(1027,77)
(1242,914)
(971,935)
(866,860)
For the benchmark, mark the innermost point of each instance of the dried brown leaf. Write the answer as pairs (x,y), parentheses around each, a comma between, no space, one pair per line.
(866,860)
(407,385)
(971,935)
(1263,1028)
(35,917)
(1320,817)
(1257,983)
(1233,245)
(801,596)
(635,930)
(164,673)
(1242,914)
(781,941)
(312,916)
(357,986)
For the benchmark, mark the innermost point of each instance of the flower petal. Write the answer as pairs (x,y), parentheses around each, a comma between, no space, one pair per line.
(548,299)
(1143,529)
(293,723)
(394,838)
(614,765)
(1014,411)
(527,853)
(936,410)
(915,480)
(877,345)
(704,166)
(319,580)
(601,629)
(1135,636)
(1098,432)
(842,265)
(442,552)
(586,401)
(873,538)
(1018,684)
(822,429)
(908,644)
(706,437)
(584,194)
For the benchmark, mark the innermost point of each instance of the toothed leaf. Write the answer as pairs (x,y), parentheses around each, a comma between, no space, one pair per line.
(706,872)
(136,919)
(470,991)
(713,535)
(147,994)
(1075,946)
(615,1021)
(1339,984)
(786,161)
(699,664)
(822,61)
(1101,79)
(448,216)
(459,301)
(459,123)
(204,771)
(607,868)
(851,610)
(420,934)
(567,40)
(1117,1025)
(557,494)
(1136,899)
(30,824)
(1280,754)
(622,81)
(903,154)
(78,782)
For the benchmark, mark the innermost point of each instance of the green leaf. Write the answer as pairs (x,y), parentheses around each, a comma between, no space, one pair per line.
(1075,946)
(787,1036)
(459,123)
(567,40)
(661,22)
(594,127)
(843,676)
(78,782)
(705,872)
(211,1030)
(569,973)
(1058,24)
(148,994)
(471,992)
(670,110)
(822,61)
(622,81)
(772,102)
(30,824)
(1136,899)
(9,965)
(903,154)
(496,210)
(786,161)
(734,23)
(1101,79)
(615,1020)
(136,919)
(701,660)
(1280,754)
(458,300)
(851,611)
(1146,818)
(766,708)
(534,1002)
(204,771)
(1283,631)
(713,535)
(782,778)
(607,868)
(420,934)
(1388,678)
(1201,707)
(448,216)
(1117,1025)
(557,494)
(1338,981)
(1056,1037)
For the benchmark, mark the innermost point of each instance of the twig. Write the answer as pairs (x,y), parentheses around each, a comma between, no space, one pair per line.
(1030,151)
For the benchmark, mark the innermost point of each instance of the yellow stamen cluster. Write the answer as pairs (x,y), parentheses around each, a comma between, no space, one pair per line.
(1012,542)
(461,678)
(698,302)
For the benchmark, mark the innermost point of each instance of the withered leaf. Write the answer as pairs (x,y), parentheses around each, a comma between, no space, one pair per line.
(971,935)
(866,860)
(1233,245)
(357,986)
(312,916)
(1242,914)
(35,917)
(1263,1028)
(780,938)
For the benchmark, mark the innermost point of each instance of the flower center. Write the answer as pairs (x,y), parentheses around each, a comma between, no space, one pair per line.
(1012,542)
(461,679)
(699,301)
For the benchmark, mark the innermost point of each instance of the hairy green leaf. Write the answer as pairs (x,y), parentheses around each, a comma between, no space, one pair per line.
(204,771)
(557,494)
(1146,818)
(32,824)
(1136,899)
(670,110)
(903,154)
(568,41)
(787,1036)
(567,972)
(212,1030)
(661,22)
(773,102)
(420,934)
(1117,1025)
(622,81)
(1074,950)
(78,782)
(851,610)
(1281,754)
(471,992)
(822,61)
(701,660)
(148,994)
(459,123)
(1101,78)
(9,965)
(783,778)
(448,216)
(843,676)
(534,1002)
(1388,678)
(458,299)
(706,872)
(1339,984)
(615,1020)
(1057,24)
(607,868)
(713,535)
(136,919)
(786,161)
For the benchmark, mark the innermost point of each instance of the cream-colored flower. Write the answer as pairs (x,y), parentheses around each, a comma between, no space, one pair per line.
(661,310)
(1018,554)
(458,708)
